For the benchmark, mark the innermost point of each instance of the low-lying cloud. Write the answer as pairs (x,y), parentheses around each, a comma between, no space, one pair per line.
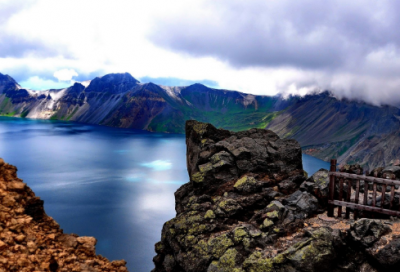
(351,47)
(65,74)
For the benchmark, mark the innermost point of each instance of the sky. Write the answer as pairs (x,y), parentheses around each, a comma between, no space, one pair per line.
(351,48)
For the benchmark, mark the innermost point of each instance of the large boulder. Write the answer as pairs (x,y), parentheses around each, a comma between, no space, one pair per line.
(389,255)
(391,170)
(318,185)
(314,253)
(216,156)
(248,207)
(366,231)
(230,206)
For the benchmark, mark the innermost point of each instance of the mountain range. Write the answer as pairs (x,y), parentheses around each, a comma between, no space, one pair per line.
(326,127)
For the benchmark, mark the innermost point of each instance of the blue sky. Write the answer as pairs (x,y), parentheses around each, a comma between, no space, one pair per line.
(259,47)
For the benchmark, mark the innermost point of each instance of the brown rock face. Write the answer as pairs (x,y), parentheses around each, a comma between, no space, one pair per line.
(32,241)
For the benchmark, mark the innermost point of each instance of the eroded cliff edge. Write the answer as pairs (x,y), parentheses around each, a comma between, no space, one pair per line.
(32,241)
(249,207)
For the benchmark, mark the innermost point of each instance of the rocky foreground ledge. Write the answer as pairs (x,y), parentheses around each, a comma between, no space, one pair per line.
(32,241)
(250,207)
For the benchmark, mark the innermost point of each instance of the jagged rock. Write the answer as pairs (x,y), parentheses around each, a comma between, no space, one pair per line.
(352,169)
(234,177)
(217,156)
(246,184)
(318,185)
(244,210)
(302,203)
(376,172)
(367,231)
(313,254)
(387,172)
(389,256)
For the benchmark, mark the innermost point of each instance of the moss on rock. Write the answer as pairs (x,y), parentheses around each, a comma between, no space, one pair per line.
(198,177)
(209,215)
(256,263)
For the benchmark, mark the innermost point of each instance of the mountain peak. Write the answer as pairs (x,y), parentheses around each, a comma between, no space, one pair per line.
(6,79)
(118,77)
(113,83)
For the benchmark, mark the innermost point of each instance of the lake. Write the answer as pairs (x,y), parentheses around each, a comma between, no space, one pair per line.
(114,184)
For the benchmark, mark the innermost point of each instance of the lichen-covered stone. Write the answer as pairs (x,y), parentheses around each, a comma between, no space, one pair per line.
(250,150)
(230,206)
(246,207)
(367,231)
(227,263)
(239,234)
(273,215)
(267,223)
(197,177)
(209,214)
(246,184)
(256,263)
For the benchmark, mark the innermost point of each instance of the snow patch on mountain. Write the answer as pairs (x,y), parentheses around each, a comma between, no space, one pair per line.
(173,92)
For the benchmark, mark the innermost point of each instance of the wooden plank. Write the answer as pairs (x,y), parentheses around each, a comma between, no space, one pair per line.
(364,208)
(391,197)
(363,177)
(340,196)
(356,199)
(332,181)
(383,193)
(348,197)
(374,195)
(365,193)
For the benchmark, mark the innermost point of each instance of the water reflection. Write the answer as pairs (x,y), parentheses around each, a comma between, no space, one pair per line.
(158,165)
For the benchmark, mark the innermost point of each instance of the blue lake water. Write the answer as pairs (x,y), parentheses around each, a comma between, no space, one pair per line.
(115,184)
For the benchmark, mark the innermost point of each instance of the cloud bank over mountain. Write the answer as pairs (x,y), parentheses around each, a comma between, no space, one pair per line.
(349,47)
(260,47)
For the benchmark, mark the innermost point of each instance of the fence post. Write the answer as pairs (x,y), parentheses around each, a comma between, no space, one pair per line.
(331,188)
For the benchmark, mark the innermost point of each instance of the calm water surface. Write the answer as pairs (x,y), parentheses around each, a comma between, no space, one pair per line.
(115,184)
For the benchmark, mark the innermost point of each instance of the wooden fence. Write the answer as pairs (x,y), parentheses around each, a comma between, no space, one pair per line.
(354,203)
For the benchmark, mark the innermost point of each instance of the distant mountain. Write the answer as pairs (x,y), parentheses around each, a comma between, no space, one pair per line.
(353,132)
(326,127)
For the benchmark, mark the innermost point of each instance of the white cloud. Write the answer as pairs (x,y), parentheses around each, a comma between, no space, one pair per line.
(354,49)
(65,74)
(37,83)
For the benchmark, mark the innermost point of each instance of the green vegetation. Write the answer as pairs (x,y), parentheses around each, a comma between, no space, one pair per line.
(9,114)
(24,113)
(72,114)
(54,117)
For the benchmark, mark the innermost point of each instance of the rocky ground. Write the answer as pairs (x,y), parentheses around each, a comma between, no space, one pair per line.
(249,206)
(32,241)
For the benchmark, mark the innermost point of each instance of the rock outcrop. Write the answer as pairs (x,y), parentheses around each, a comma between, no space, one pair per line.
(249,207)
(32,241)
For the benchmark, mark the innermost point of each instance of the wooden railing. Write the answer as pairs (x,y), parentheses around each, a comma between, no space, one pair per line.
(349,203)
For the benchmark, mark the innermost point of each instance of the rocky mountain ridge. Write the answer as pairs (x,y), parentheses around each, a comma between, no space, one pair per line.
(32,241)
(249,207)
(353,132)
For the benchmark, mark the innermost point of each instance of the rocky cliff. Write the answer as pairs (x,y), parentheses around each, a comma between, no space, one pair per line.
(32,241)
(326,127)
(249,207)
